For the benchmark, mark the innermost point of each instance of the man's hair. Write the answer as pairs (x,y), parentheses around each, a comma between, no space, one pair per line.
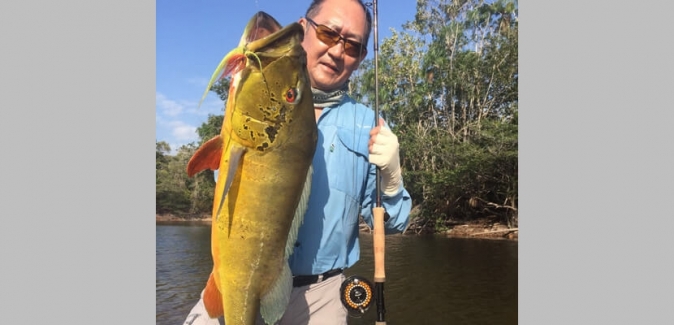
(315,7)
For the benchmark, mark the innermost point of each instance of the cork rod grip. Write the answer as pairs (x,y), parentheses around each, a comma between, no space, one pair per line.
(379,243)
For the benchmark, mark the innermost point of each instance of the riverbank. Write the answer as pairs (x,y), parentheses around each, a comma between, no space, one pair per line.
(483,228)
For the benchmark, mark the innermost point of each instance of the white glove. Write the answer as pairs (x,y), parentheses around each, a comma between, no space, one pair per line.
(383,147)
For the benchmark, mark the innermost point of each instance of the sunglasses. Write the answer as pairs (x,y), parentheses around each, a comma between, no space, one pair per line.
(331,37)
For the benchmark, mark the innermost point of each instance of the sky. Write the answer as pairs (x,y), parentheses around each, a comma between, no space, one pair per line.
(192,38)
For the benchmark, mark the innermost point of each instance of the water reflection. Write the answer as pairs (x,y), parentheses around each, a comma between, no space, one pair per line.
(183,265)
(429,280)
(438,280)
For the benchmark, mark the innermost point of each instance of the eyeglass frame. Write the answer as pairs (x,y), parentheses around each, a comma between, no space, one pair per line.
(359,47)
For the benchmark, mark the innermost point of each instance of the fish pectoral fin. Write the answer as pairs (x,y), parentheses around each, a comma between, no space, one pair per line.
(206,157)
(235,154)
(274,303)
(213,299)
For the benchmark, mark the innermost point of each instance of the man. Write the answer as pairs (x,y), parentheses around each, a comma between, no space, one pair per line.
(343,184)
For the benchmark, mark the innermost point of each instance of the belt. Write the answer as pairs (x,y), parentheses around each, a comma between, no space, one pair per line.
(304,280)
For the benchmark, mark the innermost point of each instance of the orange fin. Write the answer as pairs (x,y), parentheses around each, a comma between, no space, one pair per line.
(206,157)
(213,299)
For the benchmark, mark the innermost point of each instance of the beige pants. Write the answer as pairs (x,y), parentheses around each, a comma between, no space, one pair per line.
(316,304)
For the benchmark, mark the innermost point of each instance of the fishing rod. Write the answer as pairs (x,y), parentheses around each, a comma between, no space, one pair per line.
(378,211)
(356,291)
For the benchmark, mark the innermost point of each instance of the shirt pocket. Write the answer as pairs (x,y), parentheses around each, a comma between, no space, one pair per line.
(355,141)
(350,159)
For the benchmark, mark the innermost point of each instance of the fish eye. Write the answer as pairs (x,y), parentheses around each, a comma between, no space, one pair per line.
(291,95)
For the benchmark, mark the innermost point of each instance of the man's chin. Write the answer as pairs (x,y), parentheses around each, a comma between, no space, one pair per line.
(326,84)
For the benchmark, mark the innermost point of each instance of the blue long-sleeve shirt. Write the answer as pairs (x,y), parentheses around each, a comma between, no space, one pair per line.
(343,186)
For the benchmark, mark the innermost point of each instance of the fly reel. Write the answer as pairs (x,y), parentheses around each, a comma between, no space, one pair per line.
(356,294)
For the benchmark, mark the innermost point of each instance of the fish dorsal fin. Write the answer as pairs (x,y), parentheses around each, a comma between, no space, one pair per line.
(260,26)
(213,299)
(235,154)
(206,157)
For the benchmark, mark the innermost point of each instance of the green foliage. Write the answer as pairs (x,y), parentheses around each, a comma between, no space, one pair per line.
(221,87)
(176,193)
(448,84)
(172,183)
(163,149)
(211,127)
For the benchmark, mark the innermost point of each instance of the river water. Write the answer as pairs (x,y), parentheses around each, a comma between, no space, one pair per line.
(429,279)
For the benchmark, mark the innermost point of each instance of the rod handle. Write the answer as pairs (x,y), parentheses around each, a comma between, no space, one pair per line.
(379,244)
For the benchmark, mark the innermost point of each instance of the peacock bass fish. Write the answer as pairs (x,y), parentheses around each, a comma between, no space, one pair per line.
(264,155)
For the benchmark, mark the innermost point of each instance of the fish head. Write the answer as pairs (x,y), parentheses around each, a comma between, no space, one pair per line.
(270,87)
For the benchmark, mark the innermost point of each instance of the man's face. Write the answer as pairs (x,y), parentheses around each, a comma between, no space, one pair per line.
(330,67)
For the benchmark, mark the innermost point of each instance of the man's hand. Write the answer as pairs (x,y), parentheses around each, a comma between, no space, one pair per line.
(383,147)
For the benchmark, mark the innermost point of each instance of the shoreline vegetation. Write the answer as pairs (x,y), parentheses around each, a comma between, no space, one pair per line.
(485,228)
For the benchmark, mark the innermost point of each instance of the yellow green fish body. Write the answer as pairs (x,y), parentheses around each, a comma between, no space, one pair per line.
(264,155)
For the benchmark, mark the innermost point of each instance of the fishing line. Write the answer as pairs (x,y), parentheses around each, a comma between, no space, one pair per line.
(357,292)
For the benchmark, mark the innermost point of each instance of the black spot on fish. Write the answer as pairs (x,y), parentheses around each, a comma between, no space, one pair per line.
(264,145)
(297,244)
(271,133)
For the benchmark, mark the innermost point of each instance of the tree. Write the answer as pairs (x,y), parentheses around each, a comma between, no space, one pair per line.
(172,195)
(163,149)
(175,192)
(448,85)
(221,87)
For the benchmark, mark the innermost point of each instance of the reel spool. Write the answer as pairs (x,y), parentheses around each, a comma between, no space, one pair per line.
(356,294)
